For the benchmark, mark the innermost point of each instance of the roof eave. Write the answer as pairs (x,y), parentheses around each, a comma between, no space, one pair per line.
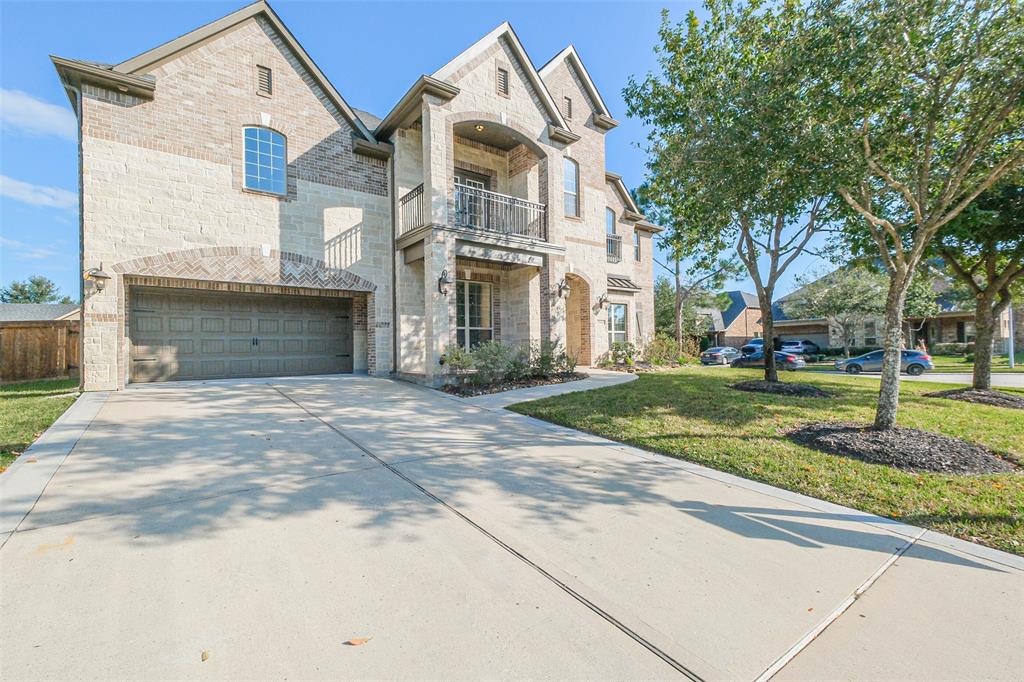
(407,109)
(73,72)
(563,135)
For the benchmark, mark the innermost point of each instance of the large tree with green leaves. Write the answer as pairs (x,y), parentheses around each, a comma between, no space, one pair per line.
(845,298)
(984,249)
(35,289)
(925,98)
(735,144)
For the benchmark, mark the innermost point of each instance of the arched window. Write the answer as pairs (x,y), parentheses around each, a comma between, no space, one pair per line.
(570,188)
(265,161)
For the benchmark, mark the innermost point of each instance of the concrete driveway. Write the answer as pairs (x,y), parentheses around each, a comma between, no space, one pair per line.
(267,523)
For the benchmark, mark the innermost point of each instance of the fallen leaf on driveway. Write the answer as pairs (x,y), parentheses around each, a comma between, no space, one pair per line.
(358,641)
(68,541)
(205,656)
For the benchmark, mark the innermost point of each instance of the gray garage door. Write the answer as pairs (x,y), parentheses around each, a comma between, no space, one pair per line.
(182,334)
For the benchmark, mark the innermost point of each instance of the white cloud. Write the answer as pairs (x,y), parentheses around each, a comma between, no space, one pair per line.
(27,251)
(21,111)
(37,195)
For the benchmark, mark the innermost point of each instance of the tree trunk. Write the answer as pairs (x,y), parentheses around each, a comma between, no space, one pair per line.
(892,341)
(771,372)
(984,330)
(679,311)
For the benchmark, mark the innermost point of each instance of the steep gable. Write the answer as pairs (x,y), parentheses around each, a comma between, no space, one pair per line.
(566,70)
(147,61)
(503,41)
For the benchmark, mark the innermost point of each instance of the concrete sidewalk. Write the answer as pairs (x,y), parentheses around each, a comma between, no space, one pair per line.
(267,523)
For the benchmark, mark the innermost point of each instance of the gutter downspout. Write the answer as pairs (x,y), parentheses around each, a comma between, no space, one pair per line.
(394,264)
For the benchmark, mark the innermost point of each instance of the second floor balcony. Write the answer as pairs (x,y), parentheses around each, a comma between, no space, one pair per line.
(478,209)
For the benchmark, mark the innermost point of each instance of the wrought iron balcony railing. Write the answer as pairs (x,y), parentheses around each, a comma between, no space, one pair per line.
(479,209)
(614,245)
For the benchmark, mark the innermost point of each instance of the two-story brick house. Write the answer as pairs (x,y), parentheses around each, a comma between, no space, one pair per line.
(239,218)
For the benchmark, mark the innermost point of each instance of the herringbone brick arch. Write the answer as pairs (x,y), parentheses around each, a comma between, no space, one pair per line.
(248,265)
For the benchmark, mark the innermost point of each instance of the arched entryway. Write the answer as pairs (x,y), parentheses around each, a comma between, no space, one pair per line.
(577,320)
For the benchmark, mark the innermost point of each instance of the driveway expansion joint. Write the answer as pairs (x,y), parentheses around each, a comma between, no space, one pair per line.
(625,629)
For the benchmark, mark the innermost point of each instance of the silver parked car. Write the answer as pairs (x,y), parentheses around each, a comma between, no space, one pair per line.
(913,362)
(719,355)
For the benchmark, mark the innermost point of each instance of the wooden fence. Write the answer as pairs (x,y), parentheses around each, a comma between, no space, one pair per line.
(38,350)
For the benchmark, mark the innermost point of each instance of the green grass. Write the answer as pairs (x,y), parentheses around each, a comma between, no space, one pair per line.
(690,413)
(26,410)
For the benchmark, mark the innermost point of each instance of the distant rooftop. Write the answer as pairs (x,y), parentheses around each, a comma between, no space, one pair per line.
(35,312)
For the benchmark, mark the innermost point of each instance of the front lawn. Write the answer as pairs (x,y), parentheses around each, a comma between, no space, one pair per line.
(691,414)
(26,410)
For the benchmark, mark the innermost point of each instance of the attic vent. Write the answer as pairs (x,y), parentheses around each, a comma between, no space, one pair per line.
(567,106)
(264,80)
(502,81)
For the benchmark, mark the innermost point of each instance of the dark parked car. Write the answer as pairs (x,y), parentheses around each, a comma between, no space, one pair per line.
(782,360)
(752,346)
(805,347)
(719,355)
(913,362)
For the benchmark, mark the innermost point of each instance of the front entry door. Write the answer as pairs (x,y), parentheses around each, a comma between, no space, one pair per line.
(469,205)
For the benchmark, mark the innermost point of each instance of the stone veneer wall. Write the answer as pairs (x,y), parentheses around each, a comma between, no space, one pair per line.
(166,175)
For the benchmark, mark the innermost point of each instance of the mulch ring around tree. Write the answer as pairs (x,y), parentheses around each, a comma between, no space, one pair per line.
(982,396)
(781,388)
(902,448)
(468,390)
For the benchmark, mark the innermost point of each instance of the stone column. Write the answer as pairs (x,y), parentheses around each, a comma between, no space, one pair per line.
(435,160)
(439,309)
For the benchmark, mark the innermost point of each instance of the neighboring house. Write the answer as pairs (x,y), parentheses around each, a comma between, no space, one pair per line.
(38,312)
(252,223)
(739,323)
(953,324)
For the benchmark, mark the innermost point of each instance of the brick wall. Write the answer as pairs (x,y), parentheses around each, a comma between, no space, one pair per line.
(165,175)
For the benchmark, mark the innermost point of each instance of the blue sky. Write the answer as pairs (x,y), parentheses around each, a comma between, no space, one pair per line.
(38,201)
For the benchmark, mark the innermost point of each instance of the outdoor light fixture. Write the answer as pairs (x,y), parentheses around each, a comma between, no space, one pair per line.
(97,277)
(479,127)
(443,282)
(563,288)
(602,300)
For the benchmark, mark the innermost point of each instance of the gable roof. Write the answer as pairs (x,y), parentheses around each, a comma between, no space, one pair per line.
(36,312)
(137,66)
(505,31)
(738,302)
(602,118)
(627,199)
(718,323)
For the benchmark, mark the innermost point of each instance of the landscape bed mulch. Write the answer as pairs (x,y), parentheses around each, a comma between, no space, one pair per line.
(903,448)
(468,391)
(981,396)
(781,388)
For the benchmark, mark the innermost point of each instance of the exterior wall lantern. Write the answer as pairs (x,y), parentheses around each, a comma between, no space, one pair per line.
(602,300)
(97,277)
(563,288)
(443,282)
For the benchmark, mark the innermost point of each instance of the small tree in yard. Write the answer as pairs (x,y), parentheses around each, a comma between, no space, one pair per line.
(984,249)
(845,298)
(675,303)
(926,100)
(735,141)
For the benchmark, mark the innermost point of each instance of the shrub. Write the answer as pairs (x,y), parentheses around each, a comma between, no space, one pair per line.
(567,362)
(545,358)
(685,359)
(951,348)
(623,352)
(519,364)
(492,360)
(457,359)
(969,357)
(660,350)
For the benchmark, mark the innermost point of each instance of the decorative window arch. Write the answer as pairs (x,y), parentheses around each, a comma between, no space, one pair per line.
(571,187)
(266,160)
